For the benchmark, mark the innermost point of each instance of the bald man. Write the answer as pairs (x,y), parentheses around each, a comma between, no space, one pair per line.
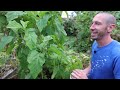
(105,59)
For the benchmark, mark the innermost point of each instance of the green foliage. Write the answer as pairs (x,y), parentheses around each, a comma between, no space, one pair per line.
(22,54)
(116,33)
(38,39)
(3,58)
(70,27)
(78,28)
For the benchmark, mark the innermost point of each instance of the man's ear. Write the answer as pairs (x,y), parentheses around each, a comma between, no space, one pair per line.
(111,27)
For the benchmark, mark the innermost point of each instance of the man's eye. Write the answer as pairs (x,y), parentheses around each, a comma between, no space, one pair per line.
(97,23)
(91,23)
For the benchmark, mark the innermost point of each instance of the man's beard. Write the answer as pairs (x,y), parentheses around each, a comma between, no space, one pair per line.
(99,35)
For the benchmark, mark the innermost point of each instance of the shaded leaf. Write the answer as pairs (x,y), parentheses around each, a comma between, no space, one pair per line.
(59,26)
(43,22)
(54,48)
(22,53)
(2,21)
(36,61)
(44,43)
(11,15)
(11,46)
(4,41)
(1,35)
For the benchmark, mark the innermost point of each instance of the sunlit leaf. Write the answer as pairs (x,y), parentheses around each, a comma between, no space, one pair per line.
(30,38)
(14,26)
(24,24)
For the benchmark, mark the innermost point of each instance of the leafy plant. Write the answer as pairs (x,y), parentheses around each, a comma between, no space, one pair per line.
(37,38)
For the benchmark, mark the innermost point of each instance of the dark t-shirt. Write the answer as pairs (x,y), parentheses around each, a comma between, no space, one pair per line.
(105,61)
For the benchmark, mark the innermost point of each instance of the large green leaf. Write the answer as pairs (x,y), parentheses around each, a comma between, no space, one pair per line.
(14,26)
(43,22)
(30,38)
(4,41)
(59,26)
(36,61)
(60,32)
(11,15)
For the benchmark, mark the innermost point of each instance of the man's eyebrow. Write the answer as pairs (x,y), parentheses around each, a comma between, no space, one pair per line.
(95,21)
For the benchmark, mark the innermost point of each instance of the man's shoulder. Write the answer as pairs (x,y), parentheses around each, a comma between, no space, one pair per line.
(116,45)
(116,49)
(117,42)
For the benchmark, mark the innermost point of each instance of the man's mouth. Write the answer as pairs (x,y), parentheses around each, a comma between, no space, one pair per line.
(93,33)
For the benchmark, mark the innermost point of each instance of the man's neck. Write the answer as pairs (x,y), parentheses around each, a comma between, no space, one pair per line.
(104,41)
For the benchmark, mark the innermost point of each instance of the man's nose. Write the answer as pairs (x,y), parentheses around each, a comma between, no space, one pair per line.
(92,27)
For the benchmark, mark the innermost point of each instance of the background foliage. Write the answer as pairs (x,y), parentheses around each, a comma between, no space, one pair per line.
(78,30)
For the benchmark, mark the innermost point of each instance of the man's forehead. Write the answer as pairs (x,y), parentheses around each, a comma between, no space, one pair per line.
(101,15)
(99,18)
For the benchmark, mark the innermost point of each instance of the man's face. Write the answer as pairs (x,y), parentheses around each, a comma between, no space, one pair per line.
(98,27)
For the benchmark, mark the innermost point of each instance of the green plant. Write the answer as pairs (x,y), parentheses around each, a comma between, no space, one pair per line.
(37,40)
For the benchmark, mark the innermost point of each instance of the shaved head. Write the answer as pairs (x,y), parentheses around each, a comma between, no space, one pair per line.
(102,25)
(109,18)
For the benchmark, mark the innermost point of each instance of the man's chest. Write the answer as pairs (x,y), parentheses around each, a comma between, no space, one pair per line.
(101,63)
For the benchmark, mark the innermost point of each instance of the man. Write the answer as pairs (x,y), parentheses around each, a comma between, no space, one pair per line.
(105,60)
